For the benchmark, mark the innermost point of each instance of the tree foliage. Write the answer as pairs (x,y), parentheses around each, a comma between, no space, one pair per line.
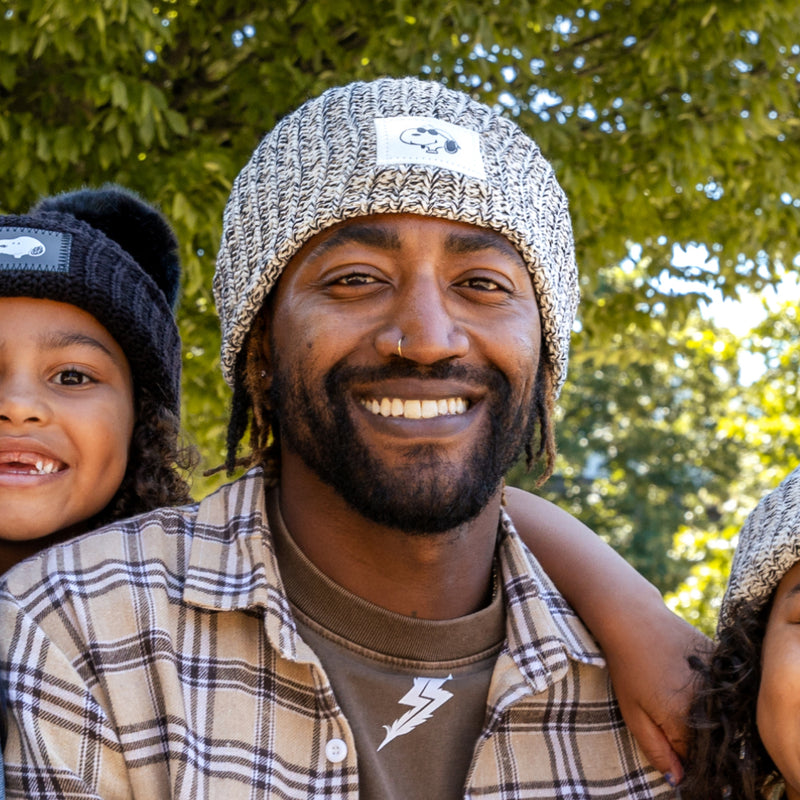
(667,122)
(762,424)
(640,442)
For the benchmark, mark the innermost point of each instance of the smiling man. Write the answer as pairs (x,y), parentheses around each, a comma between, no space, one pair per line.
(356,616)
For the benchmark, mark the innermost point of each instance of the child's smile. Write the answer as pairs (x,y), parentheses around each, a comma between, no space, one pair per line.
(15,461)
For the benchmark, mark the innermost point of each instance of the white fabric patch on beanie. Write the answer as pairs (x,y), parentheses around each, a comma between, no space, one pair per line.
(429,141)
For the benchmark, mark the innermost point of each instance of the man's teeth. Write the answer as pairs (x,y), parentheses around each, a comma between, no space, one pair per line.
(416,409)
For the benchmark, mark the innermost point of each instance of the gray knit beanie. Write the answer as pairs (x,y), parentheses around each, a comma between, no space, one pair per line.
(769,546)
(388,147)
(111,254)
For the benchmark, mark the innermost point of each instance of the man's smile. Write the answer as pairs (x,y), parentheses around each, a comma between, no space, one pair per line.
(416,409)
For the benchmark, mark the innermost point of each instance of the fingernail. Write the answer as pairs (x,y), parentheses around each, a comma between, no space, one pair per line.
(670,779)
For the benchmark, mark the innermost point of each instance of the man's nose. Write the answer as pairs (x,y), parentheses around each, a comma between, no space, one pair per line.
(22,400)
(424,327)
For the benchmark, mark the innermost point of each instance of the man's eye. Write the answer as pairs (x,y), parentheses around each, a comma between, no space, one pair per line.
(356,279)
(72,377)
(484,284)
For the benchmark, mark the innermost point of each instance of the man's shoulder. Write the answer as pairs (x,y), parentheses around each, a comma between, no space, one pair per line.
(154,541)
(121,546)
(544,615)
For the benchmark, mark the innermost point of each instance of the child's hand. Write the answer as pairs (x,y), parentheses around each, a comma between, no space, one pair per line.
(654,684)
(645,644)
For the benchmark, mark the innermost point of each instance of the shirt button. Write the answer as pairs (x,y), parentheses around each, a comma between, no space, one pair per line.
(336,750)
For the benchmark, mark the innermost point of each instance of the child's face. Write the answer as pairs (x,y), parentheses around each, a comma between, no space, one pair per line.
(778,710)
(66,417)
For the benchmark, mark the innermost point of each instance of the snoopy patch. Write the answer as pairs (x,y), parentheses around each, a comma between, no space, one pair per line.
(34,250)
(429,141)
(22,246)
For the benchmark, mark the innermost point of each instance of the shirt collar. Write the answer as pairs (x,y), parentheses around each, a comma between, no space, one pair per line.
(232,566)
(543,632)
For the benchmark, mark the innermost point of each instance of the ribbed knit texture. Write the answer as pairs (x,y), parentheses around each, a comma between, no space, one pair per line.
(318,167)
(769,546)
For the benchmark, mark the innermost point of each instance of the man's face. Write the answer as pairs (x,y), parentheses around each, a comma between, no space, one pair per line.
(416,437)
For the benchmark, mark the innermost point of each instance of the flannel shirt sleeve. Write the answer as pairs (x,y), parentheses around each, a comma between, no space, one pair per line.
(61,742)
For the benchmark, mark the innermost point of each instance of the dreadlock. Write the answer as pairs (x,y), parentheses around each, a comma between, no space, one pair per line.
(543,404)
(251,398)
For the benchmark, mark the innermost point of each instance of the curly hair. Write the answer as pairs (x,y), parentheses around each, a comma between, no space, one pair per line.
(726,758)
(251,406)
(159,464)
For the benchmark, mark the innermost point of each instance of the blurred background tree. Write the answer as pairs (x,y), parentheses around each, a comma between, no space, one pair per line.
(762,425)
(670,124)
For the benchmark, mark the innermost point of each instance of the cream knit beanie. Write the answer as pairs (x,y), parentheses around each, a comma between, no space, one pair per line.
(387,147)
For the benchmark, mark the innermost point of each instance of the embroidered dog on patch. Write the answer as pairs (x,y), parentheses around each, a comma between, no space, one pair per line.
(430,140)
(429,143)
(21,246)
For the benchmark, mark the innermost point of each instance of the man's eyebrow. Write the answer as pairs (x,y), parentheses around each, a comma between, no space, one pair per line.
(378,236)
(465,242)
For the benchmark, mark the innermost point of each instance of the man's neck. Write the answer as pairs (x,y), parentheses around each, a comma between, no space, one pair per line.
(431,576)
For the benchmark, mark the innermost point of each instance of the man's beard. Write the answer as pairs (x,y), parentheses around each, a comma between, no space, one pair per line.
(427,494)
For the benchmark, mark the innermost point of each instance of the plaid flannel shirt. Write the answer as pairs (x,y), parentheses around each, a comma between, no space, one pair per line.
(158,658)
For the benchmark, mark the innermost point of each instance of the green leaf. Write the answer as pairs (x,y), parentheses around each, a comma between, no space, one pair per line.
(119,92)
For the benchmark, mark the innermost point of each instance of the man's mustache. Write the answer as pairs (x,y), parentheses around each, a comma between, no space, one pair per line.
(340,376)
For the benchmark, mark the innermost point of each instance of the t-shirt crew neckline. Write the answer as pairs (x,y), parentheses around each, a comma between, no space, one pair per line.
(366,624)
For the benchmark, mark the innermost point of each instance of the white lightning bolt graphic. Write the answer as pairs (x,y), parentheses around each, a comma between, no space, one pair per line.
(424,698)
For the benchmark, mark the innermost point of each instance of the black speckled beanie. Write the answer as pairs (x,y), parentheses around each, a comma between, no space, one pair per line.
(111,254)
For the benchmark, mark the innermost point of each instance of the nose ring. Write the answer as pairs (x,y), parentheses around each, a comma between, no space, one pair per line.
(400,346)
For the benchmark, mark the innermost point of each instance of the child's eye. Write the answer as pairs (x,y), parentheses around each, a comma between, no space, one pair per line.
(72,377)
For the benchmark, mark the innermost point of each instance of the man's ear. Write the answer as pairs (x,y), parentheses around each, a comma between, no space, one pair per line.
(258,367)
(265,339)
